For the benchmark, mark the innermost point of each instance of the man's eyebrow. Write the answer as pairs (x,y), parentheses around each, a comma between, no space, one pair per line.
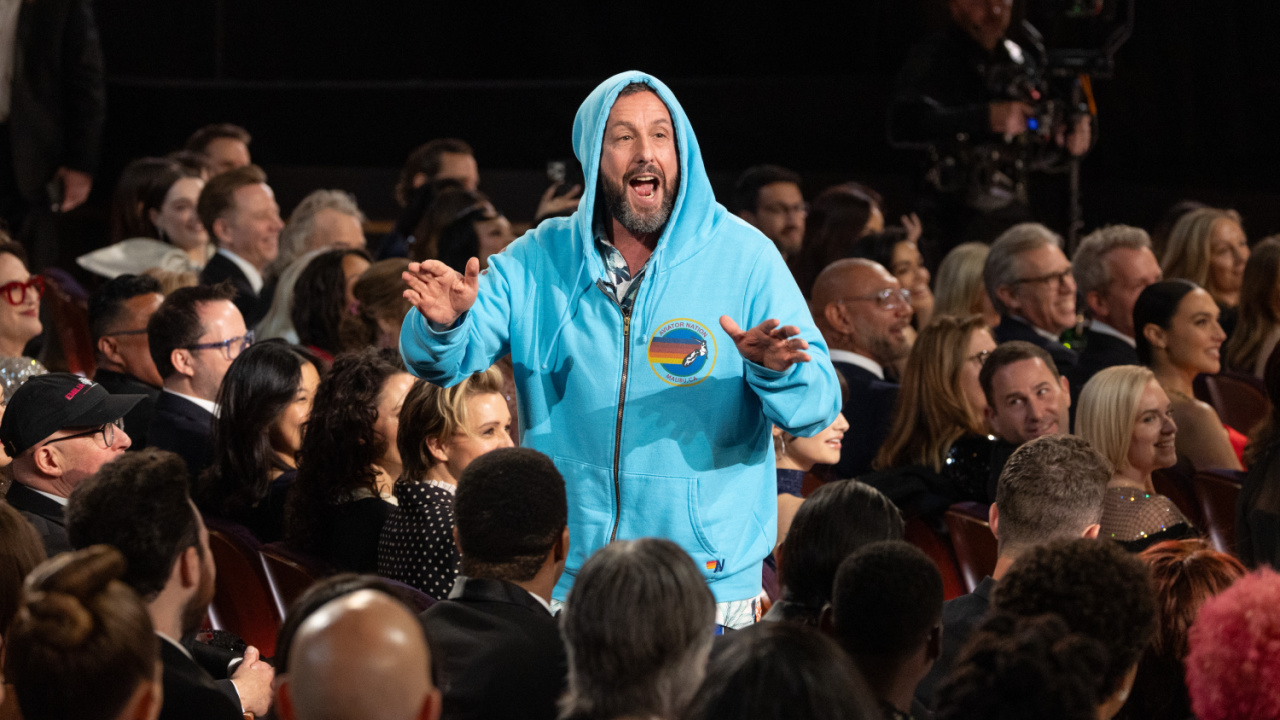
(621,123)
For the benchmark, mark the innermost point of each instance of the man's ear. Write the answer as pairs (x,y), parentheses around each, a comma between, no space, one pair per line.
(933,649)
(437,450)
(180,358)
(1098,305)
(109,349)
(1006,295)
(1091,532)
(48,460)
(221,231)
(827,620)
(145,703)
(835,318)
(431,706)
(561,548)
(189,567)
(993,519)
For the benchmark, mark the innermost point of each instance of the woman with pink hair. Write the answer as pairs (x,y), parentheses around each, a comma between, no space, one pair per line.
(1233,663)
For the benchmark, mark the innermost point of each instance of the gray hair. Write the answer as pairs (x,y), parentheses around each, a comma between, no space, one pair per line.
(302,222)
(637,629)
(1002,267)
(959,279)
(1090,266)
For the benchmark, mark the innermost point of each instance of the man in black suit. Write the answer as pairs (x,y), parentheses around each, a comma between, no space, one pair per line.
(193,337)
(1112,266)
(140,505)
(500,649)
(59,429)
(118,315)
(240,211)
(1030,284)
(1051,489)
(863,313)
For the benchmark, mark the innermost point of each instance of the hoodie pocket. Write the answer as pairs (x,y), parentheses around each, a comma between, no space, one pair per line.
(589,489)
(665,506)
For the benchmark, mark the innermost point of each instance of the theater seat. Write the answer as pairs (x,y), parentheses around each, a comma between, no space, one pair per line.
(69,348)
(1178,484)
(241,602)
(289,573)
(937,547)
(1240,399)
(974,544)
(1218,491)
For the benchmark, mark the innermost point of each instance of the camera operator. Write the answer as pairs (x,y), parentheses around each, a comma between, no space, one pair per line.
(971,95)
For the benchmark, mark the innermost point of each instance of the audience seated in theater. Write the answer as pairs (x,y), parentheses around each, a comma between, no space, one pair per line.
(769,198)
(1127,417)
(795,457)
(1026,397)
(1170,218)
(863,314)
(477,233)
(322,302)
(263,404)
(772,671)
(897,252)
(1030,284)
(837,218)
(960,289)
(82,645)
(118,315)
(441,432)
(362,655)
(325,219)
(1186,574)
(20,552)
(240,212)
(19,316)
(500,652)
(836,520)
(1112,266)
(1258,329)
(1101,591)
(1051,489)
(1208,247)
(225,145)
(193,337)
(886,612)
(1178,338)
(937,452)
(1032,667)
(153,222)
(1258,509)
(381,305)
(448,203)
(1233,651)
(140,505)
(349,461)
(637,625)
(59,429)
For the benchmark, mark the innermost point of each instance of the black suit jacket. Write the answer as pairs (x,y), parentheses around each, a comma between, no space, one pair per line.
(137,422)
(870,413)
(253,306)
(1012,328)
(960,617)
(47,516)
(185,428)
(1100,352)
(59,93)
(189,691)
(499,651)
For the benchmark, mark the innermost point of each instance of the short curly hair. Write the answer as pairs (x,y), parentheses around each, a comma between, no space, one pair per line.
(1099,589)
(1233,661)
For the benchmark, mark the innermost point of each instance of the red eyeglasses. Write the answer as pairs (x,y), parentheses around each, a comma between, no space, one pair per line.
(16,291)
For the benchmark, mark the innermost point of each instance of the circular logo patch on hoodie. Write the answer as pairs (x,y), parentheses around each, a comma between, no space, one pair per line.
(682,352)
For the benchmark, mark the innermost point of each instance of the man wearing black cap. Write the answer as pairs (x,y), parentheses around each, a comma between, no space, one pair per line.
(59,429)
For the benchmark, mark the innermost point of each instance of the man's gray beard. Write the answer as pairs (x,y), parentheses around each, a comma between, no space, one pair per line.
(615,202)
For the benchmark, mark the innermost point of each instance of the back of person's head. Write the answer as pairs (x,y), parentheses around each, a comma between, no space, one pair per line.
(1089,265)
(380,294)
(772,671)
(431,412)
(637,628)
(20,552)
(138,183)
(320,313)
(296,236)
(838,216)
(509,511)
(219,194)
(425,161)
(450,204)
(317,596)
(1186,254)
(959,281)
(1051,488)
(361,655)
(140,505)
(1099,589)
(82,645)
(1258,318)
(176,324)
(1156,305)
(106,305)
(1109,408)
(1004,265)
(746,191)
(1006,354)
(200,139)
(1233,657)
(1014,668)
(837,519)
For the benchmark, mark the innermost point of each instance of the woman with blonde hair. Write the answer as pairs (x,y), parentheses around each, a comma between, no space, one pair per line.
(938,436)
(1208,247)
(960,289)
(1258,328)
(1127,417)
(441,431)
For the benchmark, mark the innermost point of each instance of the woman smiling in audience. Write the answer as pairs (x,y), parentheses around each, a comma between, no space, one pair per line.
(20,293)
(1208,247)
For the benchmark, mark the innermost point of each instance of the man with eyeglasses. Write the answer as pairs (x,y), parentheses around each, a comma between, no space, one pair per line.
(194,337)
(768,197)
(118,315)
(863,313)
(1031,285)
(59,429)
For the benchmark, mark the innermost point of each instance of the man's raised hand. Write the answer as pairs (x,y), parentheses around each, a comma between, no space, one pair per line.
(439,292)
(767,344)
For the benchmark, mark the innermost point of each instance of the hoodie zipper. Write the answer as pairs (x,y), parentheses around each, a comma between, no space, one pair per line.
(617,436)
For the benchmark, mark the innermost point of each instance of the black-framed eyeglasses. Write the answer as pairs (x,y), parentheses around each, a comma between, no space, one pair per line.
(980,357)
(239,342)
(16,292)
(888,298)
(108,433)
(1056,280)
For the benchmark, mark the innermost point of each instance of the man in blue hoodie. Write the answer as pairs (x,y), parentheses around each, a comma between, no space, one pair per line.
(624,324)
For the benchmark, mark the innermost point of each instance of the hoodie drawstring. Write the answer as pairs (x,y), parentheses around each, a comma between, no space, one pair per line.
(565,316)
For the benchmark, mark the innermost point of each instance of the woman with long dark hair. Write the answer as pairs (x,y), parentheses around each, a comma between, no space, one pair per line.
(837,218)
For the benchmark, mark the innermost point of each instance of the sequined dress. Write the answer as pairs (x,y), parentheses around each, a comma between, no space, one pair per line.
(1137,519)
(16,370)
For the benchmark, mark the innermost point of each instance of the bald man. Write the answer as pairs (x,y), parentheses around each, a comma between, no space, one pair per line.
(863,313)
(362,656)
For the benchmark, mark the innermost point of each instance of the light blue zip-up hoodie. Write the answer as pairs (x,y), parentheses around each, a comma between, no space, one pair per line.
(658,424)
